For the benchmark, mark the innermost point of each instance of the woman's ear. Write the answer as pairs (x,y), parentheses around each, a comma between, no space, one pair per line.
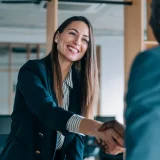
(56,37)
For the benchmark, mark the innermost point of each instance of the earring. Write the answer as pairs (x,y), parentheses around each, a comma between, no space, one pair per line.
(56,40)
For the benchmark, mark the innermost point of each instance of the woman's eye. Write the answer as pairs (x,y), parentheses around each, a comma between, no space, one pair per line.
(86,41)
(72,33)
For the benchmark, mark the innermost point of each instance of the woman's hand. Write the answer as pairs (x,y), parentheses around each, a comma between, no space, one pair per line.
(111,137)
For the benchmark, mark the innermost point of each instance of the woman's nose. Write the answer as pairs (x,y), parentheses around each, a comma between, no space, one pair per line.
(77,41)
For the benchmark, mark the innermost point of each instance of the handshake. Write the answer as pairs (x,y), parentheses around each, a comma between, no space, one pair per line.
(110,137)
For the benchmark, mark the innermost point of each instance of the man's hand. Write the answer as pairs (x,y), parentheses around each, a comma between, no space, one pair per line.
(111,137)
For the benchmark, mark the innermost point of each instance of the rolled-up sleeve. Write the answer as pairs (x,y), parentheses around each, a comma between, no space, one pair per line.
(74,123)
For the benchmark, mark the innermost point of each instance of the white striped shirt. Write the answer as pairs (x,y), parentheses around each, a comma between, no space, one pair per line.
(74,122)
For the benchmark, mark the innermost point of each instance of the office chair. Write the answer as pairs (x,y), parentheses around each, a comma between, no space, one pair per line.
(5,126)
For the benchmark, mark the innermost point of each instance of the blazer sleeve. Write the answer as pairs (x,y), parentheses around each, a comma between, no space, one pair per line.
(142,113)
(38,99)
(76,150)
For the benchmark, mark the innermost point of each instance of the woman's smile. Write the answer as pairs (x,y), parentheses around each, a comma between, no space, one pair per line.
(72,49)
(72,43)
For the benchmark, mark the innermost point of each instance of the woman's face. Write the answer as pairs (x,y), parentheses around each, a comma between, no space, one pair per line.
(72,43)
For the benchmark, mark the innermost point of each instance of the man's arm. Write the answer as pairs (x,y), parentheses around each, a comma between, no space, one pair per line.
(143,108)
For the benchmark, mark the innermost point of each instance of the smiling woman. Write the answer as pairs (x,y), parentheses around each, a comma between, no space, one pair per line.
(55,97)
(73,42)
(74,46)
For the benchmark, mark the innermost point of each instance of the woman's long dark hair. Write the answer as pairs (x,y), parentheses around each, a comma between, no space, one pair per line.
(87,67)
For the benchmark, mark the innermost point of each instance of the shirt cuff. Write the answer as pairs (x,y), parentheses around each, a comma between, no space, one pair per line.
(73,124)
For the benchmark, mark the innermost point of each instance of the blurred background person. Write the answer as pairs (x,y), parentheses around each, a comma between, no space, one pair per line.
(142,113)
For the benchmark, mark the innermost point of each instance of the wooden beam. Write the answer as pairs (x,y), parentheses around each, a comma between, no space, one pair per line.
(28,52)
(150,35)
(150,44)
(7,70)
(38,51)
(20,44)
(52,21)
(133,33)
(99,1)
(98,52)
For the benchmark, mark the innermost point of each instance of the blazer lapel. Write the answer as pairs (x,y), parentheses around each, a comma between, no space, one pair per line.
(50,78)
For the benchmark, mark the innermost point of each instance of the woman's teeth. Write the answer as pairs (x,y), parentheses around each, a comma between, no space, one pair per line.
(73,49)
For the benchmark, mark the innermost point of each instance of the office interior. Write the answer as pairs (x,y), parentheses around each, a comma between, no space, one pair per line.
(121,31)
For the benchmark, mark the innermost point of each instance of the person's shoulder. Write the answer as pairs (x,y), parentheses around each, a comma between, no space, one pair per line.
(154,49)
(148,55)
(152,52)
(35,62)
(35,65)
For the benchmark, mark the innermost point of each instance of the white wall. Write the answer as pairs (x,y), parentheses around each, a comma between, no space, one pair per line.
(23,35)
(17,61)
(112,75)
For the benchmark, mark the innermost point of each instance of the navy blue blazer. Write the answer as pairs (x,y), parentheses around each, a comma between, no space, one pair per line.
(143,107)
(36,116)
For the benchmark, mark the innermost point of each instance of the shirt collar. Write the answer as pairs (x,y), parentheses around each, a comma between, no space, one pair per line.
(68,79)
